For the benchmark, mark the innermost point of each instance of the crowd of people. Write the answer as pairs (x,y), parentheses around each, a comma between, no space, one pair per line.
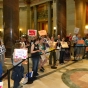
(44,48)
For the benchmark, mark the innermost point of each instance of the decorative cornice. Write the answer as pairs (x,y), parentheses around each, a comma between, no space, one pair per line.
(38,2)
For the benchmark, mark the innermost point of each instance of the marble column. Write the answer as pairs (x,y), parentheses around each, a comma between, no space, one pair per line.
(35,18)
(55,17)
(61,17)
(10,23)
(80,15)
(29,18)
(49,19)
(70,16)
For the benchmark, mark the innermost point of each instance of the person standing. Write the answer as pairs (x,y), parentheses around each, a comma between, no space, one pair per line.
(62,52)
(2,52)
(58,48)
(52,58)
(35,54)
(43,58)
(18,71)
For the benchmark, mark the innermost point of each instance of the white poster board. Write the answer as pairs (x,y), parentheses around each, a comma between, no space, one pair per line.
(76,30)
(32,32)
(1,84)
(64,45)
(20,53)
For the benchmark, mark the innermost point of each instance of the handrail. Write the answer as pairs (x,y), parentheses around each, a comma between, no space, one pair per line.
(8,71)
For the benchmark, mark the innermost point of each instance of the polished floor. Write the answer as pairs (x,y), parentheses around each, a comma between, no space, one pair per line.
(52,78)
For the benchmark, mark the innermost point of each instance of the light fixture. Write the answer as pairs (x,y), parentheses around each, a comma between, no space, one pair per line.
(54,28)
(20,29)
(86,27)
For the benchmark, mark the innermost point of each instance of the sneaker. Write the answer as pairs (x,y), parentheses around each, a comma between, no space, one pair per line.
(35,78)
(36,74)
(41,70)
(53,67)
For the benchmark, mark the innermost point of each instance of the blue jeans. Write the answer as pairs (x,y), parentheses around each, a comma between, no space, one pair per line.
(35,62)
(61,60)
(16,83)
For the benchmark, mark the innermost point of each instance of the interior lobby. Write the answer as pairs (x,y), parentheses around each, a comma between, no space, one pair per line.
(57,17)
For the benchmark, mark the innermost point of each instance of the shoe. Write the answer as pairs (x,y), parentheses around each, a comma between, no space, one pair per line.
(36,74)
(62,63)
(35,78)
(41,70)
(53,67)
(20,86)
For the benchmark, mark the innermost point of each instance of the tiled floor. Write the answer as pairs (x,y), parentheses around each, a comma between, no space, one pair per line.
(51,78)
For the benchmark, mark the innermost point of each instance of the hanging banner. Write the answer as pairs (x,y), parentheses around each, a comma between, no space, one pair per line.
(32,32)
(42,32)
(20,53)
(76,30)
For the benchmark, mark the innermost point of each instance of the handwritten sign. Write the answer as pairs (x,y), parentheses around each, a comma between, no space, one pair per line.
(86,48)
(86,31)
(42,32)
(1,84)
(80,42)
(64,44)
(76,30)
(20,53)
(32,32)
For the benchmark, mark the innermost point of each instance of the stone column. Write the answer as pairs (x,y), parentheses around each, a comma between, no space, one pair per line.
(11,23)
(61,17)
(35,18)
(49,19)
(70,16)
(80,15)
(29,11)
(55,17)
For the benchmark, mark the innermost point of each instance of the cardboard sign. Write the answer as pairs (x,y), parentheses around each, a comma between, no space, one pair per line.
(42,32)
(76,30)
(86,31)
(32,32)
(20,53)
(1,84)
(80,42)
(86,48)
(64,44)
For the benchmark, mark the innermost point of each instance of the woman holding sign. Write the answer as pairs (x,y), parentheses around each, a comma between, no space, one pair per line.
(79,45)
(63,46)
(18,71)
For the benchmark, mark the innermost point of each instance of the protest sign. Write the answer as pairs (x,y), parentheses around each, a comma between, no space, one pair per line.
(64,44)
(42,32)
(1,84)
(80,42)
(76,30)
(20,53)
(32,32)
